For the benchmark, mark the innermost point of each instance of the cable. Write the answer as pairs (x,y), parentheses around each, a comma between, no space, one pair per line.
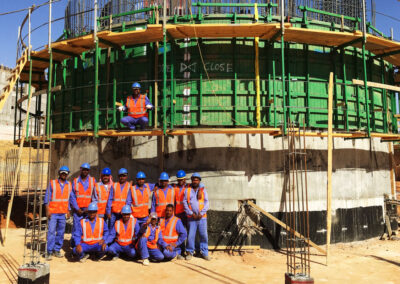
(25,9)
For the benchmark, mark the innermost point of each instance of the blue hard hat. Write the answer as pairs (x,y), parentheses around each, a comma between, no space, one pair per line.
(106,171)
(85,166)
(136,85)
(164,176)
(126,210)
(181,174)
(196,175)
(122,171)
(64,169)
(92,206)
(140,175)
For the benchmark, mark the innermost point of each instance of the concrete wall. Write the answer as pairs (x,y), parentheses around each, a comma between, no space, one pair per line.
(242,166)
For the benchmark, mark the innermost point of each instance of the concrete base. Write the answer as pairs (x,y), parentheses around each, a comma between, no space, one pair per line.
(34,273)
(298,279)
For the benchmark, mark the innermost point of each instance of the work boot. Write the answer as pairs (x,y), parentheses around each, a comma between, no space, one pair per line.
(205,257)
(179,257)
(115,258)
(84,258)
(48,256)
(146,262)
(58,254)
(189,256)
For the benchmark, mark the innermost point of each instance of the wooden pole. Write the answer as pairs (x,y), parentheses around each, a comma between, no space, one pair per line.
(329,173)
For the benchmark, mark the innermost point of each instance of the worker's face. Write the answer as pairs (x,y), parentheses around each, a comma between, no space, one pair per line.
(92,215)
(105,179)
(84,172)
(169,211)
(181,181)
(125,217)
(140,181)
(63,176)
(123,178)
(136,91)
(163,183)
(195,182)
(153,222)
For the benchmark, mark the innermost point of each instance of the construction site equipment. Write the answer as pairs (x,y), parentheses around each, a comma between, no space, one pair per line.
(391,216)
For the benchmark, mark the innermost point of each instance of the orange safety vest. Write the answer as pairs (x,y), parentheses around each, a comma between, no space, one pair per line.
(92,237)
(119,197)
(179,197)
(170,235)
(83,198)
(140,202)
(124,237)
(102,197)
(59,201)
(201,200)
(137,109)
(162,200)
(152,244)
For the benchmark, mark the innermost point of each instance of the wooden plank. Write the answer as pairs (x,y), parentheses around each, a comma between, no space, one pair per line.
(38,93)
(329,171)
(234,247)
(286,227)
(377,85)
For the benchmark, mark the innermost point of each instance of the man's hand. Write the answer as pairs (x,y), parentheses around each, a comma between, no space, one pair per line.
(68,215)
(109,216)
(79,249)
(103,247)
(48,214)
(121,108)
(170,248)
(149,106)
(80,212)
(147,221)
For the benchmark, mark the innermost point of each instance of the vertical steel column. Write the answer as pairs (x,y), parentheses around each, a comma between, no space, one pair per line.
(172,87)
(114,123)
(257,72)
(357,89)
(365,70)
(283,63)
(164,104)
(49,75)
(343,54)
(96,75)
(384,98)
(308,104)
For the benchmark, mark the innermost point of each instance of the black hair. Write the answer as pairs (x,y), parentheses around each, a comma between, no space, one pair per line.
(170,205)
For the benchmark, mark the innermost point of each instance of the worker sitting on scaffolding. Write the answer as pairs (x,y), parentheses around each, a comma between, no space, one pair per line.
(136,106)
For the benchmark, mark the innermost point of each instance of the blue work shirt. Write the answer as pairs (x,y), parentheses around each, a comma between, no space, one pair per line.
(85,183)
(153,199)
(113,233)
(194,203)
(180,229)
(147,102)
(108,187)
(49,194)
(111,198)
(152,235)
(77,235)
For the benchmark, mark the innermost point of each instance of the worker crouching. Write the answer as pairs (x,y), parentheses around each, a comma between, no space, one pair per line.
(124,233)
(91,235)
(151,240)
(173,233)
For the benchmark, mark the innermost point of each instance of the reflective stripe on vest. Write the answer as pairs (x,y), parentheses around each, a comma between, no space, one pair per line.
(131,226)
(172,225)
(119,199)
(59,199)
(90,237)
(135,198)
(83,197)
(179,196)
(200,201)
(137,108)
(152,244)
(172,199)
(101,198)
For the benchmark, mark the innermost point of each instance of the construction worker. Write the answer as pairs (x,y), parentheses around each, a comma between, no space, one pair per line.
(124,232)
(180,188)
(102,192)
(173,232)
(57,200)
(136,106)
(196,206)
(163,194)
(91,235)
(151,240)
(81,195)
(119,196)
(141,194)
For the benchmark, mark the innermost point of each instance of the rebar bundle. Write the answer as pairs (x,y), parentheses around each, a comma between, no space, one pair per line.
(296,204)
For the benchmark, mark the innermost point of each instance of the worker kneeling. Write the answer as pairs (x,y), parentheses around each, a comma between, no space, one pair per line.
(173,232)
(125,232)
(91,235)
(151,240)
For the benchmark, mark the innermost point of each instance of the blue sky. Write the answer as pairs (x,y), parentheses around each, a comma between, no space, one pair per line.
(9,23)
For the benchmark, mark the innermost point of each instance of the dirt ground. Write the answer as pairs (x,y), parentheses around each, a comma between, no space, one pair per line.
(371,261)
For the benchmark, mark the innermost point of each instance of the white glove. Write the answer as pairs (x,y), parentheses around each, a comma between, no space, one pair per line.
(149,106)
(121,108)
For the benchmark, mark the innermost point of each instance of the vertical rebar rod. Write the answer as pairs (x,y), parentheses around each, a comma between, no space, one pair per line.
(306,189)
(164,103)
(283,63)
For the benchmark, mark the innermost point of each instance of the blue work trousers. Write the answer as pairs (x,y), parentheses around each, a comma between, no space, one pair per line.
(194,226)
(131,122)
(184,219)
(113,219)
(141,221)
(171,254)
(96,248)
(76,224)
(116,249)
(145,252)
(55,234)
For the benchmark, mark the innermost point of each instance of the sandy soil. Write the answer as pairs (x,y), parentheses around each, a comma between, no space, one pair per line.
(371,261)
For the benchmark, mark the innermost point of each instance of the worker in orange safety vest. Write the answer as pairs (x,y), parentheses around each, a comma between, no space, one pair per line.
(102,191)
(163,194)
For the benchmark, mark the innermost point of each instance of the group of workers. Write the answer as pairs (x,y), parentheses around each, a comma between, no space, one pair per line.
(126,218)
